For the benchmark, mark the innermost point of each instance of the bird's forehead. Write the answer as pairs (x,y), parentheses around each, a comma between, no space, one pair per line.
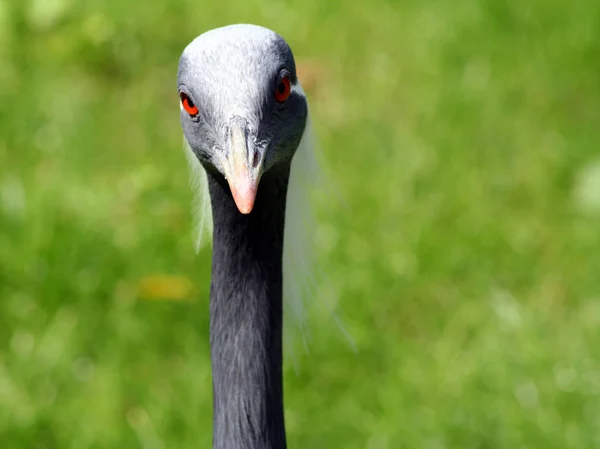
(237,56)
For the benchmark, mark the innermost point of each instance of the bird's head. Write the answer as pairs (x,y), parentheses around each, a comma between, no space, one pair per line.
(243,112)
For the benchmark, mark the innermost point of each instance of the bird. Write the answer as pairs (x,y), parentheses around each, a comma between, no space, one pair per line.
(247,134)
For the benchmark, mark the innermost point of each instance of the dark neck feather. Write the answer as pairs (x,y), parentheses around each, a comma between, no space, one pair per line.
(246,317)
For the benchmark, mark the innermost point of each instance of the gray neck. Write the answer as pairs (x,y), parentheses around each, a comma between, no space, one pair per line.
(246,317)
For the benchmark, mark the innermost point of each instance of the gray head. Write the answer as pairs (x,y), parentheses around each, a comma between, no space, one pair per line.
(243,112)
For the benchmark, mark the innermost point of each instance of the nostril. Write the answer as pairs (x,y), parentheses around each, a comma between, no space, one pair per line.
(256,159)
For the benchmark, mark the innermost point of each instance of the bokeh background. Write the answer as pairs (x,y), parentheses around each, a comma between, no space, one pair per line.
(463,257)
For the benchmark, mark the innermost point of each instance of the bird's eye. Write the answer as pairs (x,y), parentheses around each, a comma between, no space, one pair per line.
(283,89)
(188,105)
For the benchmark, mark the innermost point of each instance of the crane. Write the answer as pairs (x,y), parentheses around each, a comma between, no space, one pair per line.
(245,121)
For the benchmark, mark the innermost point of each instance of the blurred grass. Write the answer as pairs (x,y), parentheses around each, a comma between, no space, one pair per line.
(465,139)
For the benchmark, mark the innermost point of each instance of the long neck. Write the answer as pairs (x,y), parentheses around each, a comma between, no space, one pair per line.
(246,317)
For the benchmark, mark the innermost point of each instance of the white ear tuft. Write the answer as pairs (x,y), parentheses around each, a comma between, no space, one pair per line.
(301,278)
(299,243)
(201,207)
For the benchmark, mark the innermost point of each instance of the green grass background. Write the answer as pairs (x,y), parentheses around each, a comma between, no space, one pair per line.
(464,137)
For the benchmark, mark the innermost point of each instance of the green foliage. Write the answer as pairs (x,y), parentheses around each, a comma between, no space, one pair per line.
(463,258)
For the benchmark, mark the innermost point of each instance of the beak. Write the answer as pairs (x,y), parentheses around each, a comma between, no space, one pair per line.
(242,166)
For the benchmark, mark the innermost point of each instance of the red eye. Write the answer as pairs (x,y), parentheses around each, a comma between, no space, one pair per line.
(283,89)
(188,105)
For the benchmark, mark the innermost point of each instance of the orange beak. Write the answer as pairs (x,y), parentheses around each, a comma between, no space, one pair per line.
(241,171)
